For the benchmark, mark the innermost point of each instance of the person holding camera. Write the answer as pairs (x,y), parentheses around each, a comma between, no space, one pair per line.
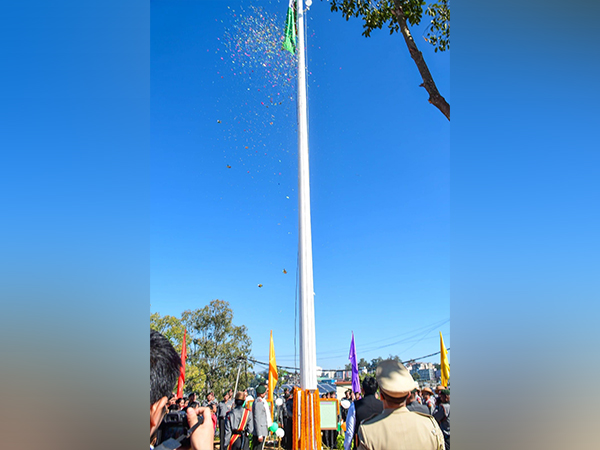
(164,371)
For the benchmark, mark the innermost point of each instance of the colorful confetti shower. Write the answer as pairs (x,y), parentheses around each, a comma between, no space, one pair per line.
(253,49)
(259,123)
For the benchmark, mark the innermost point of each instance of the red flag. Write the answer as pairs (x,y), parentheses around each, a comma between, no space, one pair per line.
(182,369)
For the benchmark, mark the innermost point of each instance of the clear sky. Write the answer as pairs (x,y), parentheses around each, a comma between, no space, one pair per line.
(379,155)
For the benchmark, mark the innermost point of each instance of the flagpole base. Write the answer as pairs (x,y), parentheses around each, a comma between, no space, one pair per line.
(307,420)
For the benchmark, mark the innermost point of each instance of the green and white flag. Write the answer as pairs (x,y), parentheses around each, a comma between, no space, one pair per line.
(289,41)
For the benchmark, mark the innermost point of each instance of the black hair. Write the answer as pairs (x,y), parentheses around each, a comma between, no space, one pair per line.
(369,385)
(193,405)
(164,367)
(238,402)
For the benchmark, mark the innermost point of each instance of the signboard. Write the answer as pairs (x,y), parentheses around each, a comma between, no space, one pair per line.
(329,413)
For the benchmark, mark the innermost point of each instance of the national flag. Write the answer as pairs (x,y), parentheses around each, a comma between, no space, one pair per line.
(289,40)
(354,364)
(444,366)
(181,379)
(272,373)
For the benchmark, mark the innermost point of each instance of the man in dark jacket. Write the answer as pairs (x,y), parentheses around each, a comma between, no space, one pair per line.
(288,420)
(367,406)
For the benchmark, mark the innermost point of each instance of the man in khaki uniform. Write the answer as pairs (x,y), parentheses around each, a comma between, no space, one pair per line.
(396,427)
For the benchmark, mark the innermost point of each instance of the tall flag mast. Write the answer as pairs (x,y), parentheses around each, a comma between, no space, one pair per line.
(307,429)
(308,351)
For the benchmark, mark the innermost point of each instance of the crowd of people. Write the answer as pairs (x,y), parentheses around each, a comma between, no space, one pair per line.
(391,411)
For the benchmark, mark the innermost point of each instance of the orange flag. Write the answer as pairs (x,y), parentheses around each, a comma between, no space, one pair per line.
(182,369)
(272,373)
(444,366)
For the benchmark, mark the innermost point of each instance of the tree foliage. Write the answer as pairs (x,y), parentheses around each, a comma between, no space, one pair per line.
(216,348)
(374,363)
(397,15)
(377,14)
(438,31)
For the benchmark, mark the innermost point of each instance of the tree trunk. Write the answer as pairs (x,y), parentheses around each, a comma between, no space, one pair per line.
(435,98)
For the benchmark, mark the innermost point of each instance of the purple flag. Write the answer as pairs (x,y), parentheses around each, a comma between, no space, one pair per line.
(354,363)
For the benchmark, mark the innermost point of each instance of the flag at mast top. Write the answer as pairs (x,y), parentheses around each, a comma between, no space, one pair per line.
(289,40)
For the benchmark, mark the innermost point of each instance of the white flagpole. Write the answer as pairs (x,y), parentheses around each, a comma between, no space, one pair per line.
(308,352)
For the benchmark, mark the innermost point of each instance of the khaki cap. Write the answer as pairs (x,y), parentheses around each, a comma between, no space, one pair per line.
(240,396)
(394,379)
(427,390)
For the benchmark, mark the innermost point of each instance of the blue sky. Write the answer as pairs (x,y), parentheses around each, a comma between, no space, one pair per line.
(524,229)
(379,157)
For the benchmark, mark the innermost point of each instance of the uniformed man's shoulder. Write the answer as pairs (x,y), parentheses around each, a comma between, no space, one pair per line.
(426,418)
(369,419)
(422,414)
(375,418)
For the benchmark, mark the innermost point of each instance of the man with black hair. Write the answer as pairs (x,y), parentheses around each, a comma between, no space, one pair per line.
(413,405)
(210,397)
(164,371)
(288,422)
(360,410)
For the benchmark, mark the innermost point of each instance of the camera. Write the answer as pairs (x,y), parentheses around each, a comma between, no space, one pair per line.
(173,426)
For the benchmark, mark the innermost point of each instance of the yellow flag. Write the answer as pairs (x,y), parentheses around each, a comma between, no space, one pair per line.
(444,366)
(272,372)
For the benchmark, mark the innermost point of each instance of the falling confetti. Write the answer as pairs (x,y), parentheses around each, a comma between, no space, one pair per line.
(284,271)
(260,285)
(253,47)
(228,166)
(218,121)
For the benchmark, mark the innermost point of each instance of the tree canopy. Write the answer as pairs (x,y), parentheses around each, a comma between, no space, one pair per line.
(216,348)
(397,15)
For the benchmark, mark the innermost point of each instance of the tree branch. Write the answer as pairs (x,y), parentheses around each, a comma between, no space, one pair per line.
(435,98)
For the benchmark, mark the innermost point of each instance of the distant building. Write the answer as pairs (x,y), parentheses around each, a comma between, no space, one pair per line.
(426,374)
(425,370)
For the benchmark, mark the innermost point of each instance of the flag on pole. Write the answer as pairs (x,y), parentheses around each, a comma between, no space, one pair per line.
(272,373)
(444,366)
(354,364)
(181,379)
(289,40)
